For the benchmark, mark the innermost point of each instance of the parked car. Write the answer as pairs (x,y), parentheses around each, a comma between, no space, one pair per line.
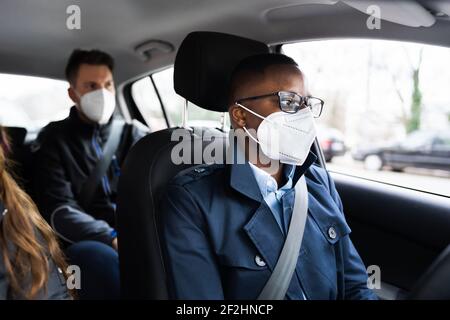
(331,141)
(419,149)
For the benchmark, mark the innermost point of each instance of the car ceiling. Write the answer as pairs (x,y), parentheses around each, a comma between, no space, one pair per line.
(35,40)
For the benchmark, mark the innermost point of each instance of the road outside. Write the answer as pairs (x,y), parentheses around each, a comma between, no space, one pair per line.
(435,181)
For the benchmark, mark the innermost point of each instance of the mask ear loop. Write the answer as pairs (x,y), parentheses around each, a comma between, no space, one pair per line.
(79,97)
(245,129)
(252,112)
(76,92)
(250,135)
(257,115)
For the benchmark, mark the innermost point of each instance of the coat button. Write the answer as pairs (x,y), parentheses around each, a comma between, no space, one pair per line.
(259,261)
(332,233)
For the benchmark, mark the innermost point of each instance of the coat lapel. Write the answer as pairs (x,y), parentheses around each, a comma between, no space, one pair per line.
(264,232)
(262,228)
(243,181)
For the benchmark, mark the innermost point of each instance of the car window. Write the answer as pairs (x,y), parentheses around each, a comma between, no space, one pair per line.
(417,139)
(442,143)
(32,102)
(147,101)
(174,104)
(385,103)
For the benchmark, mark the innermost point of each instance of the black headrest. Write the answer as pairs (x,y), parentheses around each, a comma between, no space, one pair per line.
(204,63)
(16,135)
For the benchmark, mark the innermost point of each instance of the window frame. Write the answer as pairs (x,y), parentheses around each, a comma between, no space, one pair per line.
(135,113)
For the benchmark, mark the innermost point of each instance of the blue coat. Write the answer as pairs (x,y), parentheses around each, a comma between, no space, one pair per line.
(220,240)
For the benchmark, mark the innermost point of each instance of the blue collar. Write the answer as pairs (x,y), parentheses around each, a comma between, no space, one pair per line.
(267,184)
(243,180)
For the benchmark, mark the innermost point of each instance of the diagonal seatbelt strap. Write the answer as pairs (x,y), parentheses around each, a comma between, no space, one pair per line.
(109,149)
(278,283)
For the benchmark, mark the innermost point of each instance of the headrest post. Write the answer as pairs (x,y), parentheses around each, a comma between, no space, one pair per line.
(223,122)
(184,120)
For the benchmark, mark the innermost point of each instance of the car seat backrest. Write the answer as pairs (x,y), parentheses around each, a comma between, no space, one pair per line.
(144,177)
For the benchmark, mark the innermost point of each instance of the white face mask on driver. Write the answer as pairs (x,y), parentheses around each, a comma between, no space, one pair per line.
(98,105)
(286,137)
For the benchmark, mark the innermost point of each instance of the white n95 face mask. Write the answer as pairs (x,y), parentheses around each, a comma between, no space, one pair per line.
(98,105)
(286,137)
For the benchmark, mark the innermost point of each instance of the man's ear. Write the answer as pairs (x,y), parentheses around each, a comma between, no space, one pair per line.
(73,95)
(237,116)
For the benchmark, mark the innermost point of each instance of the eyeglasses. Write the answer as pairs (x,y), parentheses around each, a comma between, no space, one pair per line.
(291,102)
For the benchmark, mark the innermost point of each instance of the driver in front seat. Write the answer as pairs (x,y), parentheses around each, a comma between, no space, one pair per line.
(224,225)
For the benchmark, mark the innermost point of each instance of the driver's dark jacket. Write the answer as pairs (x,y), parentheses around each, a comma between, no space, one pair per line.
(220,240)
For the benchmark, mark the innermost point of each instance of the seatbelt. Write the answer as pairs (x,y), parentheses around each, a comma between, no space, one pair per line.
(109,149)
(280,279)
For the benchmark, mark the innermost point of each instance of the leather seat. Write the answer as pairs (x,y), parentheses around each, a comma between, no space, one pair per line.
(202,71)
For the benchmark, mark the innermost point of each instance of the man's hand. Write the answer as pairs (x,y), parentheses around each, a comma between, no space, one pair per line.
(115,244)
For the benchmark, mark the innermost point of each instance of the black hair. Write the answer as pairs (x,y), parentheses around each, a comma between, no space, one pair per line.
(256,65)
(260,62)
(93,57)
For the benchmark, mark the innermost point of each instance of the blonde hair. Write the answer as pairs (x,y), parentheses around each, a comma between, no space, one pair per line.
(27,242)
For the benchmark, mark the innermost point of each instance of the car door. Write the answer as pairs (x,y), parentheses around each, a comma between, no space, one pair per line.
(441,153)
(399,230)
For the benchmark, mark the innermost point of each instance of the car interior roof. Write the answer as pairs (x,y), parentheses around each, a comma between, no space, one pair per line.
(35,39)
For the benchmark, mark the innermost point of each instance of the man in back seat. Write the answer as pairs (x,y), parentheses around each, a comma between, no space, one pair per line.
(67,166)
